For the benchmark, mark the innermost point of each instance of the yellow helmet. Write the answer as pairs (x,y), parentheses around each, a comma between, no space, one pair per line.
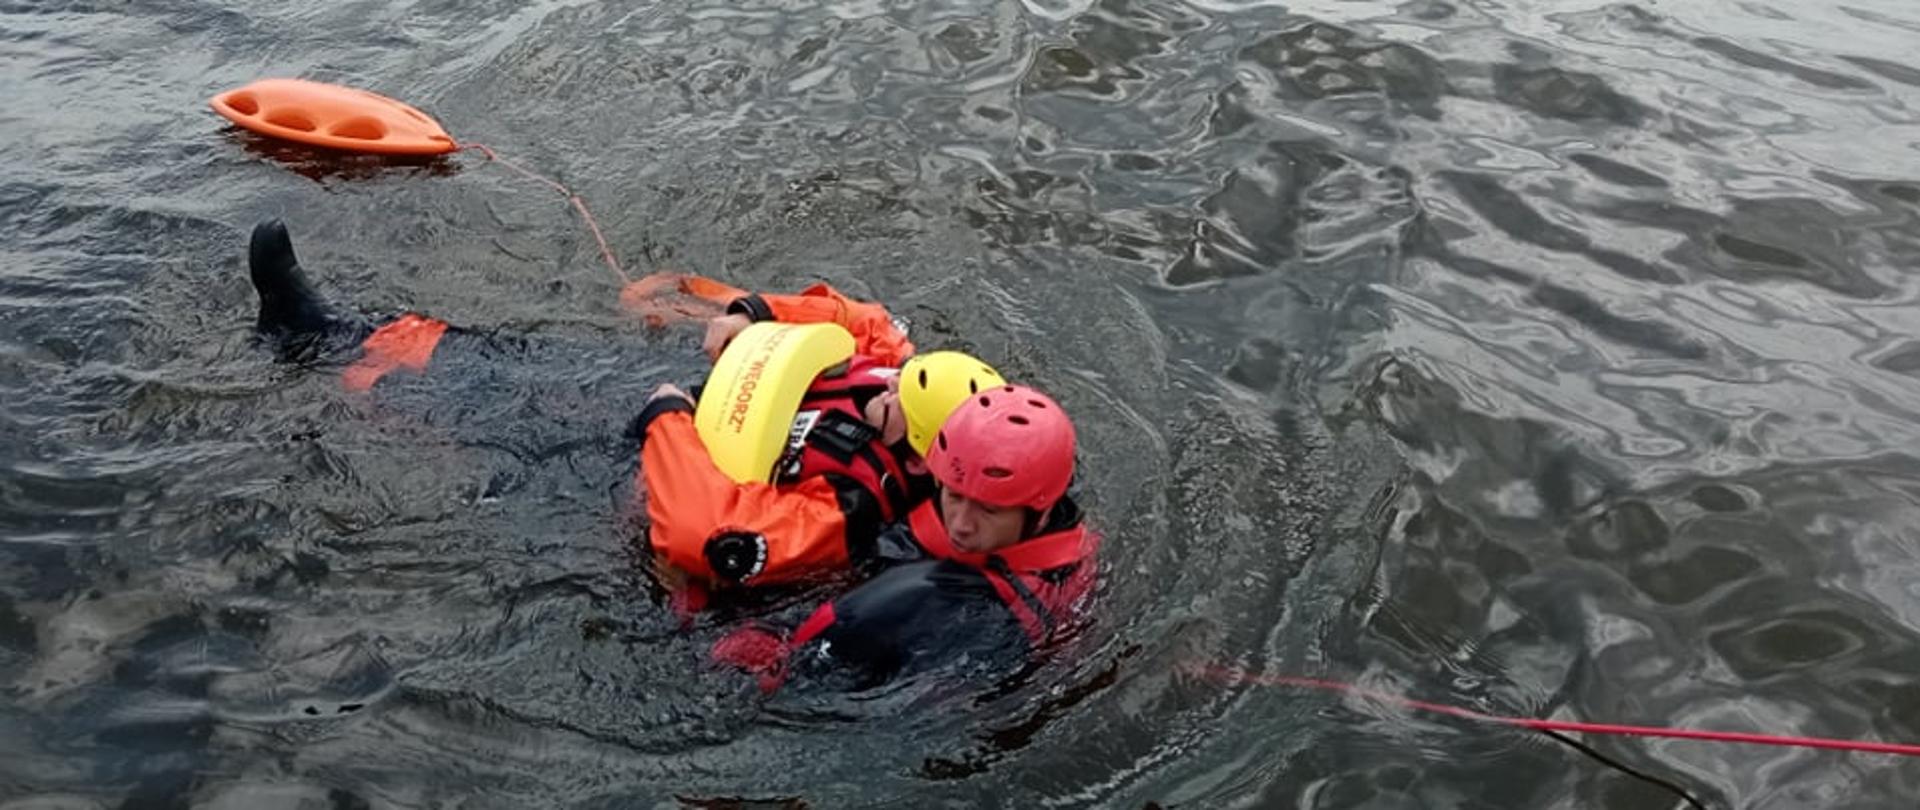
(933,384)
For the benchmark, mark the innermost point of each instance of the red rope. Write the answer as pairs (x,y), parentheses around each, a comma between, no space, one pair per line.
(578,204)
(1235,676)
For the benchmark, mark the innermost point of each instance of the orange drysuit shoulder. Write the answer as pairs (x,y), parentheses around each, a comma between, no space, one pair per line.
(727,532)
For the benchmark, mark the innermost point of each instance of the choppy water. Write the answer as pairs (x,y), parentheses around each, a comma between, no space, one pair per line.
(1542,357)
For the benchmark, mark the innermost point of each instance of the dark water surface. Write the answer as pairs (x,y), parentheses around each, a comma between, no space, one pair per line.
(1547,357)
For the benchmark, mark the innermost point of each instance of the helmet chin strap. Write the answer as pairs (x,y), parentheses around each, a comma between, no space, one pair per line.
(886,421)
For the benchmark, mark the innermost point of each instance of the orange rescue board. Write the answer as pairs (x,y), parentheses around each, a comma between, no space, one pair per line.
(332,116)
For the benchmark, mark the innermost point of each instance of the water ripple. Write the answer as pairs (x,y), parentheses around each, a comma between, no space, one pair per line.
(1546,358)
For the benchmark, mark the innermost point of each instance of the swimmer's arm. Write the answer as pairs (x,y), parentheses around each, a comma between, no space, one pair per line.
(914,615)
(711,526)
(908,618)
(874,331)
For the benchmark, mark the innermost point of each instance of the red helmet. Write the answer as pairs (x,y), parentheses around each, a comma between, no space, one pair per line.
(1007,446)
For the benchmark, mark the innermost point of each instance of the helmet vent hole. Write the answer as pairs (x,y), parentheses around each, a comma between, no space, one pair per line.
(1018,420)
(986,402)
(923,378)
(973,386)
(1037,404)
(942,439)
(997,472)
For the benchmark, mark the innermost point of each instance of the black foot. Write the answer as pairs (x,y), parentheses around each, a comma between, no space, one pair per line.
(291,312)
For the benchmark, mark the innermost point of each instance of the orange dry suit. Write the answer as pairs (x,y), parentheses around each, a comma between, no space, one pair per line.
(825,504)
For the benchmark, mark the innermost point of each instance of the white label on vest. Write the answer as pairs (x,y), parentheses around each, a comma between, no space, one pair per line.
(803,423)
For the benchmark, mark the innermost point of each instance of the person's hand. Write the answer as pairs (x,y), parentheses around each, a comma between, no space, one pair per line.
(668,390)
(720,332)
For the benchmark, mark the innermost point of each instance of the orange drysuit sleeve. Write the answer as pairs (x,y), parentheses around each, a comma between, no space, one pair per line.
(727,532)
(666,298)
(874,332)
(663,298)
(404,343)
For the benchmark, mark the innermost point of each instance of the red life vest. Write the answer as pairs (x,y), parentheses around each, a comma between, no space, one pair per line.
(830,436)
(1042,580)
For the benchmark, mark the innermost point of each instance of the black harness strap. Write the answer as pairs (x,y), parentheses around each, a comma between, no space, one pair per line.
(1033,603)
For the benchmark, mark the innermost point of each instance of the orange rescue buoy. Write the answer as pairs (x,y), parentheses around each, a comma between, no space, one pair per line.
(333,116)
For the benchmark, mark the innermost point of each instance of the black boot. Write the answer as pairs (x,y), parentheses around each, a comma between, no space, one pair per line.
(291,312)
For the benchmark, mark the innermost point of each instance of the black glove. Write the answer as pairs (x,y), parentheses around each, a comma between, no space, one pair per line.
(637,429)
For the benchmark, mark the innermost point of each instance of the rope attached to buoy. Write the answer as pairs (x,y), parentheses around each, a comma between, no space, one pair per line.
(578,205)
(350,119)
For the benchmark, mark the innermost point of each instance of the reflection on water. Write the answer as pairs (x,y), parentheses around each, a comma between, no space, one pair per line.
(1551,358)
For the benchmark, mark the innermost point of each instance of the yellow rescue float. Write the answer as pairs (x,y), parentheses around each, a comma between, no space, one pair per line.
(747,408)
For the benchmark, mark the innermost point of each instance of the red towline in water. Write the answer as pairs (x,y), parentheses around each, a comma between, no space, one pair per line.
(1233,675)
